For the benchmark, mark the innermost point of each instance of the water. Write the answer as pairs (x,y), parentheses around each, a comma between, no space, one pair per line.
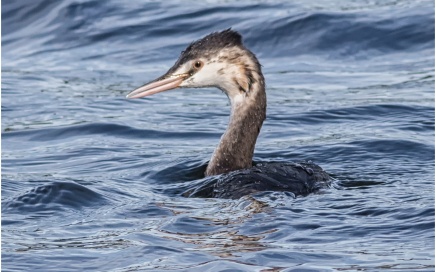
(93,182)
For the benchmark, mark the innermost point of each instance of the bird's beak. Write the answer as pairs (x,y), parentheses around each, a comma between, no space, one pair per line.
(159,85)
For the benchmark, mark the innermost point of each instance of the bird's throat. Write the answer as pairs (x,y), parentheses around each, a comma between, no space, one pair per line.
(236,147)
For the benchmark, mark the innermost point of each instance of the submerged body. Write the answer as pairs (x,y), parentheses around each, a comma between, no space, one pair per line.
(300,179)
(221,60)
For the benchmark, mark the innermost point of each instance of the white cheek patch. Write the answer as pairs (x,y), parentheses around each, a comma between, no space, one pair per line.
(207,76)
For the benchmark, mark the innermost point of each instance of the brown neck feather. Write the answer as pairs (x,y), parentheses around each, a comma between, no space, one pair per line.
(236,148)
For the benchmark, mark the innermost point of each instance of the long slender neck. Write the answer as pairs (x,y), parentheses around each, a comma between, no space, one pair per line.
(236,148)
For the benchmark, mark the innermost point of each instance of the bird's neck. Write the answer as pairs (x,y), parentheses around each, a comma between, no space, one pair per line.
(236,147)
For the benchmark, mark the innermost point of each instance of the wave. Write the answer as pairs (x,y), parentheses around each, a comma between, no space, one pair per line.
(36,27)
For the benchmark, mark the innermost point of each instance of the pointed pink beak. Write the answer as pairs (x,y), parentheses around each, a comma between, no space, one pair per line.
(157,86)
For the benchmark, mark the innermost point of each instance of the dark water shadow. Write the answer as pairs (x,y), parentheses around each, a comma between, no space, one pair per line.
(54,196)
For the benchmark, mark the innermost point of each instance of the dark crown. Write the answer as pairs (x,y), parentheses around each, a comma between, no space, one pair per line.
(210,44)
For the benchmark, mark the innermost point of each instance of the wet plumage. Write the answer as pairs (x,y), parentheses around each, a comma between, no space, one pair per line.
(221,60)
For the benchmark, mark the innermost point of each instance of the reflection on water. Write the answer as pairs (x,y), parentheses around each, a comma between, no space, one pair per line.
(92,181)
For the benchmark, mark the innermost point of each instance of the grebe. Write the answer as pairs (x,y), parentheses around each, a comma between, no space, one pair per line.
(221,60)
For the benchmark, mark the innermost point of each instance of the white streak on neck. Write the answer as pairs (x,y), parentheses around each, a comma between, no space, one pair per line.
(237,99)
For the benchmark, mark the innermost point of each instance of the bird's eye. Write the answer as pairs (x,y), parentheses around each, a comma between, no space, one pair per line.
(198,64)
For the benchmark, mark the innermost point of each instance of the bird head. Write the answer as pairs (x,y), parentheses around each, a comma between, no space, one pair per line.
(217,60)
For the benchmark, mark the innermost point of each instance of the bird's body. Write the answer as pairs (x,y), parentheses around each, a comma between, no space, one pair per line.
(220,60)
(300,179)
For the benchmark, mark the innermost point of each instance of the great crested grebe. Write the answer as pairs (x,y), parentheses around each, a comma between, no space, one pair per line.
(221,60)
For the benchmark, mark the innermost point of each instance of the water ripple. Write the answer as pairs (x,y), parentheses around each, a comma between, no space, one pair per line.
(94,182)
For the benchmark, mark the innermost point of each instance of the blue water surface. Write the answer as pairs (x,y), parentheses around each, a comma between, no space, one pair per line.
(92,181)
